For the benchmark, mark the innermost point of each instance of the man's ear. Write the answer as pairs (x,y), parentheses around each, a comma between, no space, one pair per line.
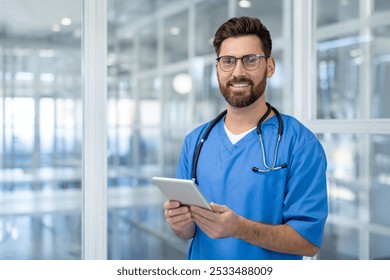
(270,67)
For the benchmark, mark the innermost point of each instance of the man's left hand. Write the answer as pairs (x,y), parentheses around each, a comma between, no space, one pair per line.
(219,223)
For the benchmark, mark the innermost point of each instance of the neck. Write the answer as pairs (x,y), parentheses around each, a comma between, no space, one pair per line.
(239,120)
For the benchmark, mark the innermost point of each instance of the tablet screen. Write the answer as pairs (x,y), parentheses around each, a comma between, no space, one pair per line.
(184,191)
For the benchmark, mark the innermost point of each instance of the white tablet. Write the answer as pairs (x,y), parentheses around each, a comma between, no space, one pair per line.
(184,191)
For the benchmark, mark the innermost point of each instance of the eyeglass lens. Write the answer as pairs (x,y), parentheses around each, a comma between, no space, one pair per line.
(250,62)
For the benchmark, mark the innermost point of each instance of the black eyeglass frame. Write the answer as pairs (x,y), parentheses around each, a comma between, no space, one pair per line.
(259,56)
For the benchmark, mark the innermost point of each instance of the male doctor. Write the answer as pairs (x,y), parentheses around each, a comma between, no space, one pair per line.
(269,196)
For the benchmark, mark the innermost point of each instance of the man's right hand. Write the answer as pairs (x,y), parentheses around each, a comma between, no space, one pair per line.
(179,218)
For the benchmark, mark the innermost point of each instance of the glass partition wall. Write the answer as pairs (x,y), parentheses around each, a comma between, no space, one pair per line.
(161,84)
(40,132)
(352,96)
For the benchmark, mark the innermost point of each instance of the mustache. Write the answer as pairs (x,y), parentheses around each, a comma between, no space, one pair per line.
(240,80)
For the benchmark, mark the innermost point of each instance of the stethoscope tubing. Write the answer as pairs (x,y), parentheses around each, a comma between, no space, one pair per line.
(259,132)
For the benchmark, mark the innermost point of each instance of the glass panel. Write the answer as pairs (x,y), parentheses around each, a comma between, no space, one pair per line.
(177,88)
(132,236)
(381,5)
(343,173)
(209,101)
(380,247)
(340,243)
(133,114)
(358,165)
(175,38)
(208,17)
(381,72)
(174,140)
(335,11)
(162,83)
(148,150)
(380,190)
(119,147)
(269,12)
(338,67)
(2,126)
(41,119)
(150,112)
(148,49)
(46,237)
(277,83)
(149,88)
(19,116)
(47,137)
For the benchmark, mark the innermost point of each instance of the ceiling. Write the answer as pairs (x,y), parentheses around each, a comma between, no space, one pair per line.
(25,18)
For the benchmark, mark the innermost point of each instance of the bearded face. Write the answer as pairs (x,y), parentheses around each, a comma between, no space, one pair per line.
(242,91)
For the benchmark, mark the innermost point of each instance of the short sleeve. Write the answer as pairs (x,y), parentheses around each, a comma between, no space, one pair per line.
(306,203)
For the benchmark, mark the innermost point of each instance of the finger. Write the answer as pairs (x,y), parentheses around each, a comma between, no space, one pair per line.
(219,208)
(178,219)
(202,211)
(206,227)
(176,211)
(180,225)
(202,217)
(170,204)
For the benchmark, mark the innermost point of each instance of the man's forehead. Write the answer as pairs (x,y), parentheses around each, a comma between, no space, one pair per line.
(247,43)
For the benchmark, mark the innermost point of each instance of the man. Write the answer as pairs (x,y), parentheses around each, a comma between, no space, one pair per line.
(269,198)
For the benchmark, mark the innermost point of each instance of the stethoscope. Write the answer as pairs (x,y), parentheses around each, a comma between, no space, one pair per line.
(259,132)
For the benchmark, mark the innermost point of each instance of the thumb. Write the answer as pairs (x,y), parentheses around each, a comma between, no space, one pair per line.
(219,208)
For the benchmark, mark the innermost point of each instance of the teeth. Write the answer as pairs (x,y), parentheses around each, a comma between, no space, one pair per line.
(240,85)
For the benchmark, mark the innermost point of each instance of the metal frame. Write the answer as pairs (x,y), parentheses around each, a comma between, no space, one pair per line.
(94,178)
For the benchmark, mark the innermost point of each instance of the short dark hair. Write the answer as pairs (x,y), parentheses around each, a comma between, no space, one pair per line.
(241,26)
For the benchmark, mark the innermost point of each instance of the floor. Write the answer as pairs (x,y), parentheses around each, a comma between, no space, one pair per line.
(58,237)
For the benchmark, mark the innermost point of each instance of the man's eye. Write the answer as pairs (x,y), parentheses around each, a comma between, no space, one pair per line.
(251,59)
(228,60)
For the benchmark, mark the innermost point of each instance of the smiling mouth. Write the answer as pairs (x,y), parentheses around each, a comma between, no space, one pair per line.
(240,85)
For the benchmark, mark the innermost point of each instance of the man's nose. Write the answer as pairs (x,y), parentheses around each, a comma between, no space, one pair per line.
(239,68)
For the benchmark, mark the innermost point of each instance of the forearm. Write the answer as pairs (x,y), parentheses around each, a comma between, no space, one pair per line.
(279,238)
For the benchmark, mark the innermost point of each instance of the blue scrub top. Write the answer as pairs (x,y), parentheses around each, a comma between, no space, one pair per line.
(295,195)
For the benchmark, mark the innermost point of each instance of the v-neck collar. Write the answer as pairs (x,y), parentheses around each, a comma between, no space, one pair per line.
(225,138)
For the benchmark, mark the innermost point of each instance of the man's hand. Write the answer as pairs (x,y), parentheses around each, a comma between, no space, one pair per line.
(179,218)
(223,222)
(219,223)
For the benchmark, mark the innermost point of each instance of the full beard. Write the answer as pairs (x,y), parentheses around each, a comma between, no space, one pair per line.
(242,98)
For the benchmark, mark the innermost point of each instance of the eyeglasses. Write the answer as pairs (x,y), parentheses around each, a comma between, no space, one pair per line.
(251,62)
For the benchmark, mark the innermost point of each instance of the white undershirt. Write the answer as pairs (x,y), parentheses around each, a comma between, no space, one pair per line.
(234,138)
